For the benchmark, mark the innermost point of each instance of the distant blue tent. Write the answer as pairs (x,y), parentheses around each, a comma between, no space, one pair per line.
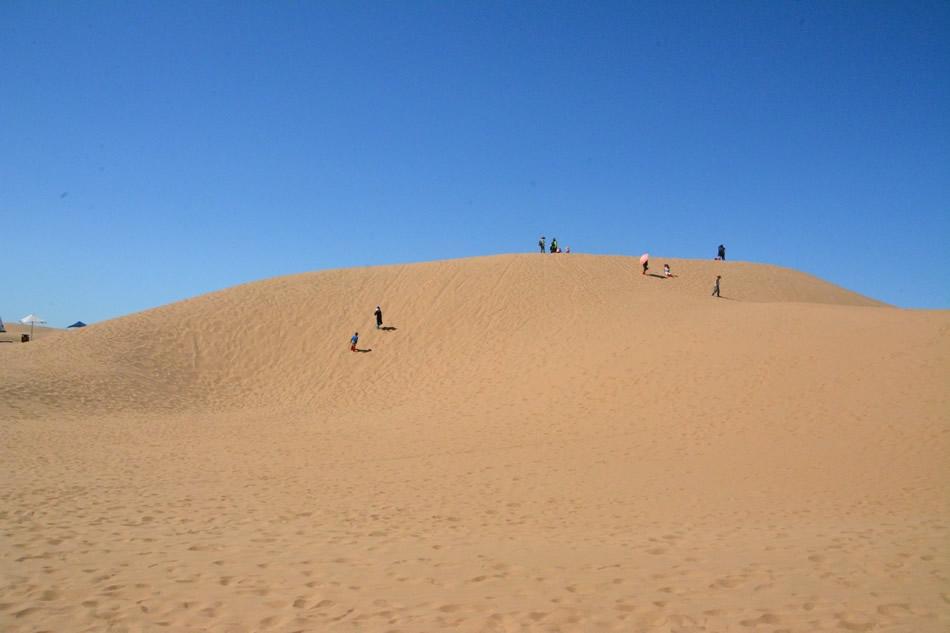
(77,324)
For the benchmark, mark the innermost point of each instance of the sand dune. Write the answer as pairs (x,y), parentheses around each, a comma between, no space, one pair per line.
(542,443)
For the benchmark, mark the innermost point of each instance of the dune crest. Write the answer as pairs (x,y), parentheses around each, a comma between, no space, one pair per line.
(280,341)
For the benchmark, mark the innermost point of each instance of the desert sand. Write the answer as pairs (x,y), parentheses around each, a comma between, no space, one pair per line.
(14,330)
(541,443)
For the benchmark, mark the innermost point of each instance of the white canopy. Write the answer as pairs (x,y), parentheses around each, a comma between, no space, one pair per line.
(31,318)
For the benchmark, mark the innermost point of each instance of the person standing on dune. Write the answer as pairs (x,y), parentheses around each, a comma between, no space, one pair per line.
(354,340)
(379,317)
(722,253)
(715,291)
(541,244)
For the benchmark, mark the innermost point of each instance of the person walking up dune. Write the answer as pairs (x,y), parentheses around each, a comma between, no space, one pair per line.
(354,340)
(715,291)
(379,317)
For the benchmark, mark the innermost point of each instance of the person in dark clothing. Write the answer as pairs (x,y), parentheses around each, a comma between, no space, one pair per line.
(541,243)
(554,245)
(354,340)
(715,291)
(722,252)
(379,317)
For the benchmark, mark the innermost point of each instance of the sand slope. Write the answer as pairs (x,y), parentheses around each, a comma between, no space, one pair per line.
(551,443)
(277,342)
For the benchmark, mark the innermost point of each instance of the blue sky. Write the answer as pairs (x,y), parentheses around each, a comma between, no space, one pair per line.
(154,151)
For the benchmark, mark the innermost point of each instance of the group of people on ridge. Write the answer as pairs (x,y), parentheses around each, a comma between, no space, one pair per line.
(721,256)
(554,246)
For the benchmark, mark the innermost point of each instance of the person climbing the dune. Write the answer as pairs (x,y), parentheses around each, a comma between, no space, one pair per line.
(354,340)
(379,317)
(715,292)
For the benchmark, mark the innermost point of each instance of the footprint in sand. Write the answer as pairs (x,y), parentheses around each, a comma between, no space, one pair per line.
(727,582)
(895,609)
(765,618)
(854,623)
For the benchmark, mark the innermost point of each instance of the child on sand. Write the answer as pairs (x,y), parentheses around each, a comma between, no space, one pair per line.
(646,266)
(379,317)
(354,340)
(715,292)
(666,270)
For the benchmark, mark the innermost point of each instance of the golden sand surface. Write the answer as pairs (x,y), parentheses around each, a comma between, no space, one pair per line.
(540,443)
(15,330)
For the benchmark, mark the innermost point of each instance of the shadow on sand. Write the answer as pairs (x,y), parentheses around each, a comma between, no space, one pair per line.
(364,351)
(388,328)
(657,275)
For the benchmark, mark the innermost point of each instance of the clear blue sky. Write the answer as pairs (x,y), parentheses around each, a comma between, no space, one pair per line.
(152,151)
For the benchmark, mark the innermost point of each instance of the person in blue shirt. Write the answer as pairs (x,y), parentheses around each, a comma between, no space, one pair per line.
(354,340)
